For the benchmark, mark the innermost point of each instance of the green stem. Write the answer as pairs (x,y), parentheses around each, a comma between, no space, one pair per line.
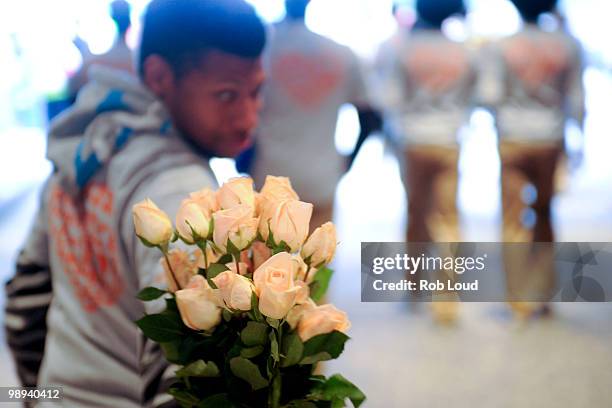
(275,395)
(203,248)
(307,272)
(165,252)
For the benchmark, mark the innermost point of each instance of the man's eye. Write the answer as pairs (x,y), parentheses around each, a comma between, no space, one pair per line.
(226,96)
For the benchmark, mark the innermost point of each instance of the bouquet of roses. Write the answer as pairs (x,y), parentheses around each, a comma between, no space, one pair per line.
(241,319)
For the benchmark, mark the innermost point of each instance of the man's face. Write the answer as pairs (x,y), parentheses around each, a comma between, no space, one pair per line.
(217,104)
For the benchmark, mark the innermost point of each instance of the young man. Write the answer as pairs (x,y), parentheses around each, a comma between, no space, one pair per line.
(539,74)
(308,78)
(123,141)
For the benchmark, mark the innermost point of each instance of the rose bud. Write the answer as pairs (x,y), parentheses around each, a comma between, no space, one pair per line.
(237,191)
(321,320)
(290,223)
(278,189)
(275,285)
(236,225)
(235,289)
(152,224)
(192,221)
(199,305)
(321,245)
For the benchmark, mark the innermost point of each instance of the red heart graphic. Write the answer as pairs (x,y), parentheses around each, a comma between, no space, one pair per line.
(438,68)
(536,61)
(308,79)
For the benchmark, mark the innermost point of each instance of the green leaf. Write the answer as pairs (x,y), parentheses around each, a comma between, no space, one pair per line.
(248,371)
(337,403)
(251,352)
(150,293)
(225,259)
(217,401)
(232,249)
(282,247)
(301,404)
(291,350)
(199,368)
(324,347)
(184,397)
(227,315)
(270,241)
(160,327)
(254,334)
(274,347)
(146,243)
(256,314)
(315,358)
(273,322)
(338,388)
(171,351)
(215,269)
(320,283)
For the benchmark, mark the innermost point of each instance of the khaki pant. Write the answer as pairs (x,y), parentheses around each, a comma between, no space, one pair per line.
(430,178)
(530,269)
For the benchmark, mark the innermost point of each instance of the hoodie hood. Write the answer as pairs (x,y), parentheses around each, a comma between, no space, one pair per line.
(111,109)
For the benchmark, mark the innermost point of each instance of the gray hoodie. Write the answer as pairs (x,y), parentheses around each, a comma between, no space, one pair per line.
(115,147)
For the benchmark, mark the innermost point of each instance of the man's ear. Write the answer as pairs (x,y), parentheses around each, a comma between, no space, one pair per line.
(158,76)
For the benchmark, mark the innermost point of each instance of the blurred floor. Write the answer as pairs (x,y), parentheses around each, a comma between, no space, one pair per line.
(396,355)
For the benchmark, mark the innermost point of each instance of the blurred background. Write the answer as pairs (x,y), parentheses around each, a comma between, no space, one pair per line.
(398,356)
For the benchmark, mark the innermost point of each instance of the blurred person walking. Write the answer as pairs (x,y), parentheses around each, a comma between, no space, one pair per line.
(308,78)
(428,93)
(539,77)
(119,56)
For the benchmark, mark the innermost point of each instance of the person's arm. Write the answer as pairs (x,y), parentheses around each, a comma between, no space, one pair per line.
(358,96)
(167,190)
(28,295)
(370,121)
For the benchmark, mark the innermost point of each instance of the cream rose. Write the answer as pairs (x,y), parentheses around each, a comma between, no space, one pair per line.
(278,189)
(236,225)
(151,223)
(275,285)
(320,320)
(206,199)
(199,305)
(182,266)
(237,191)
(235,289)
(321,245)
(295,314)
(289,222)
(193,221)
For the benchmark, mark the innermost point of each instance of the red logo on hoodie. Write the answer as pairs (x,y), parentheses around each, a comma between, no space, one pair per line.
(85,242)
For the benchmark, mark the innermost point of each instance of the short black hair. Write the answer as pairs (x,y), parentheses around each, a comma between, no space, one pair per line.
(120,13)
(530,10)
(183,31)
(296,8)
(434,12)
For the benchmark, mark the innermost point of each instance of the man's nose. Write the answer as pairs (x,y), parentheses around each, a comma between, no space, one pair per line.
(248,115)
